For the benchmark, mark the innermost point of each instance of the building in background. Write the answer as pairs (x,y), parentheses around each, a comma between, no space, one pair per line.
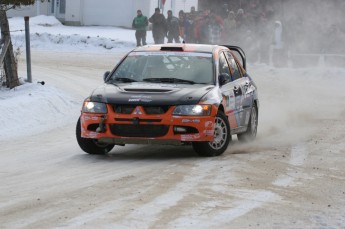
(101,12)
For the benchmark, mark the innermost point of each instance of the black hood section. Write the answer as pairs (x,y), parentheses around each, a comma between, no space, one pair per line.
(143,93)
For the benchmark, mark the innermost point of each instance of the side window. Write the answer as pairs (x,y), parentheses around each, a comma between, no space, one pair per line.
(224,67)
(234,67)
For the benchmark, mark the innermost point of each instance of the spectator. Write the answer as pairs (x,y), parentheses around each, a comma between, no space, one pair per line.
(230,28)
(197,26)
(159,26)
(203,30)
(193,13)
(279,56)
(140,24)
(215,31)
(241,27)
(219,20)
(173,28)
(263,33)
(240,21)
(184,26)
(224,11)
(191,17)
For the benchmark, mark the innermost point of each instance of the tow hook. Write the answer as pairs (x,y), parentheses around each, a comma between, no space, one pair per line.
(101,128)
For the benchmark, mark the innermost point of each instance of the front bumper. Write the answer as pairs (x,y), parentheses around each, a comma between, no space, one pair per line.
(141,128)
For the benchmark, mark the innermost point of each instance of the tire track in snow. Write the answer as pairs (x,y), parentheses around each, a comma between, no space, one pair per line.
(251,199)
(221,215)
(298,156)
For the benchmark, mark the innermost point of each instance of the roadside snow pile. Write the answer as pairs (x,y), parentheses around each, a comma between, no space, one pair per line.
(42,20)
(75,42)
(46,32)
(32,108)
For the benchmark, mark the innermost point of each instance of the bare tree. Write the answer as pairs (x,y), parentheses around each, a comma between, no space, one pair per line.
(7,59)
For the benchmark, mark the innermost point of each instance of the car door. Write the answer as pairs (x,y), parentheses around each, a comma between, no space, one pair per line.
(241,85)
(229,92)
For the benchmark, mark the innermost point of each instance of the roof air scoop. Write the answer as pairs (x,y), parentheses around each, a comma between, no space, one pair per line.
(172,48)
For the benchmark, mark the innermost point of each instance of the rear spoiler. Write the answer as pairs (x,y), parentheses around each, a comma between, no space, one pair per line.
(240,52)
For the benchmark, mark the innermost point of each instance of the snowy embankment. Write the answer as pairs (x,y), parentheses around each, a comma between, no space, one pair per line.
(47,33)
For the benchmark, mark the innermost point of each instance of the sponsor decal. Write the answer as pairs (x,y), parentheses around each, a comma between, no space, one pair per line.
(133,100)
(88,118)
(190,137)
(140,98)
(208,132)
(209,124)
(190,120)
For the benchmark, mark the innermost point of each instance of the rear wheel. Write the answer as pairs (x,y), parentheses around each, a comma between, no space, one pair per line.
(222,137)
(252,129)
(91,146)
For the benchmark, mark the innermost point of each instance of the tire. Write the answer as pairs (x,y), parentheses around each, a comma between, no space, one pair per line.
(91,146)
(221,139)
(252,129)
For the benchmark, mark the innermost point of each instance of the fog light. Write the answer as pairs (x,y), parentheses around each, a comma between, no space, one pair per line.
(179,129)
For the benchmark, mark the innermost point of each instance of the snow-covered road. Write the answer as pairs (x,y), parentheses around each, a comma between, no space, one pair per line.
(293,176)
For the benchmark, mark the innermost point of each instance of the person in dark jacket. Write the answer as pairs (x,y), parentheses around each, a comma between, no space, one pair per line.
(159,26)
(140,24)
(173,28)
(184,26)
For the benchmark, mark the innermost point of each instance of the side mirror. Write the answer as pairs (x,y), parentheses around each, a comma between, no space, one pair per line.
(105,76)
(223,79)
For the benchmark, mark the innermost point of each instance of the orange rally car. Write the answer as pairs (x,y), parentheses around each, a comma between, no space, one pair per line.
(172,94)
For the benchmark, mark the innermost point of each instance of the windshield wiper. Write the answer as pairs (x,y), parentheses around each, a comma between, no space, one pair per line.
(169,80)
(124,79)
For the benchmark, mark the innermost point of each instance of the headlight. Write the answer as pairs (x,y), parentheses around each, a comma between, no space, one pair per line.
(199,110)
(94,107)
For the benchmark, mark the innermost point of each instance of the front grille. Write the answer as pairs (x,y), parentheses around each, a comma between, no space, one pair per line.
(138,120)
(150,110)
(148,131)
(156,109)
(124,109)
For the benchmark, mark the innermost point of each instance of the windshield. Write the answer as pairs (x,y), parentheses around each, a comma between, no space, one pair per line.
(167,67)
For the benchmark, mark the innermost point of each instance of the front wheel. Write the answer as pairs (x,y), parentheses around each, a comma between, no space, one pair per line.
(91,146)
(252,128)
(222,137)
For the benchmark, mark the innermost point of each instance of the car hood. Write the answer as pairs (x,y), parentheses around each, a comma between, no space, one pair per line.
(150,93)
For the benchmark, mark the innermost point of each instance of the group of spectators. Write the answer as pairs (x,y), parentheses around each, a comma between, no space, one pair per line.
(211,27)
(255,28)
(190,27)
